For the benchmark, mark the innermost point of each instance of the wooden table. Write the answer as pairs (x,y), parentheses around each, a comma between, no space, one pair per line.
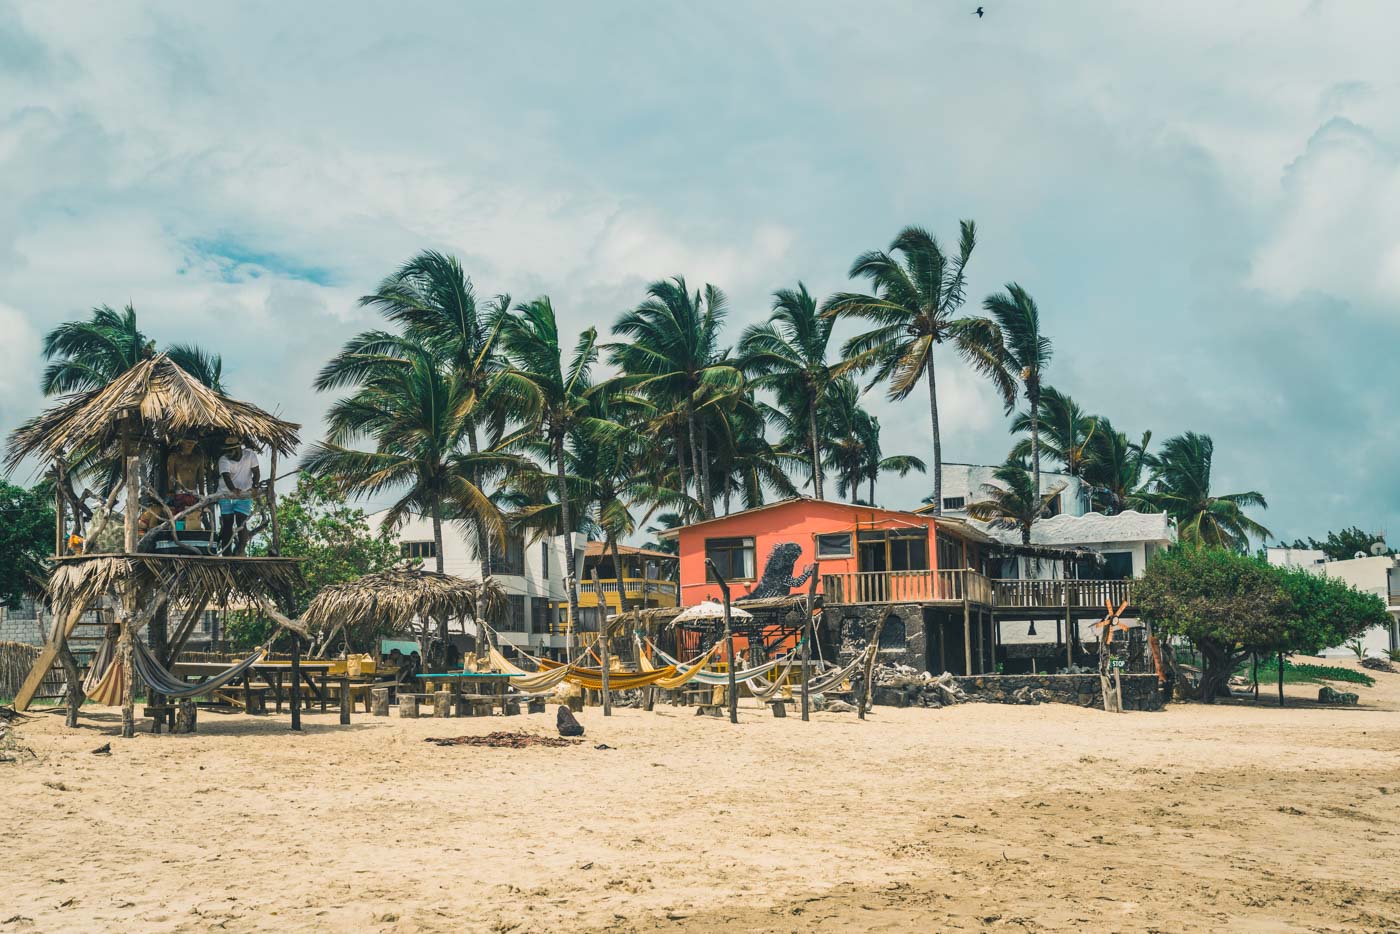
(492,683)
(271,672)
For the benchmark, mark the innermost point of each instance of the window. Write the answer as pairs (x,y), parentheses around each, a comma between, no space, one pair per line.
(950,552)
(540,617)
(511,561)
(1055,507)
(834,545)
(516,608)
(893,550)
(954,502)
(418,549)
(1118,565)
(544,560)
(732,556)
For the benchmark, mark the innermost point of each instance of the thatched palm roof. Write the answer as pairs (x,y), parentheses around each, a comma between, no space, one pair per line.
(85,578)
(166,401)
(395,598)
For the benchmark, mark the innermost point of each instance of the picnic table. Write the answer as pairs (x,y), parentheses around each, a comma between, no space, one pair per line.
(273,673)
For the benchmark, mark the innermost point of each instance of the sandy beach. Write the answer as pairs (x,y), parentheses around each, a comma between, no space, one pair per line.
(978,817)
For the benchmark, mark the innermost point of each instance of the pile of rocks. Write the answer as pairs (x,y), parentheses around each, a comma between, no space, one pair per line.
(903,686)
(1377,664)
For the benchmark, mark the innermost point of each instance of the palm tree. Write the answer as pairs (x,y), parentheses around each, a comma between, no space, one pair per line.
(563,403)
(1066,431)
(415,411)
(851,440)
(1027,351)
(89,354)
(1181,488)
(1114,467)
(738,452)
(788,355)
(674,356)
(1013,502)
(915,298)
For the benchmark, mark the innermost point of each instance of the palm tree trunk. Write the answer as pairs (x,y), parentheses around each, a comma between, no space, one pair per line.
(816,447)
(570,582)
(937,439)
(701,493)
(437,548)
(1034,399)
(705,471)
(680,459)
(617,573)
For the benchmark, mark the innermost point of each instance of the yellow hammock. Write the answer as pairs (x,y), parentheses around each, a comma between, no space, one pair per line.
(665,677)
(528,682)
(108,691)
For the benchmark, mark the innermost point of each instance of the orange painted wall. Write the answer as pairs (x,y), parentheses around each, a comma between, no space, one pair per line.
(797,521)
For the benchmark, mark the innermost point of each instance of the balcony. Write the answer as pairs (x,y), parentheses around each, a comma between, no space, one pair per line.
(906,587)
(955,586)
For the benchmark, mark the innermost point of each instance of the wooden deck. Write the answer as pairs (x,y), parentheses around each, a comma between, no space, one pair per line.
(954,587)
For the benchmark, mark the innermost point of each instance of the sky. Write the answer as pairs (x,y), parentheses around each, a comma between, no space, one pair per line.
(1204,199)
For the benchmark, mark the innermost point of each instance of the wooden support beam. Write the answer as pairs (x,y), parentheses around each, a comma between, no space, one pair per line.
(62,629)
(967,636)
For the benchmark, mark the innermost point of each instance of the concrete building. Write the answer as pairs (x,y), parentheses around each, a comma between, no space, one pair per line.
(963,484)
(1379,575)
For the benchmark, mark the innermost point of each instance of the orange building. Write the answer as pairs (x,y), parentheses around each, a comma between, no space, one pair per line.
(866,554)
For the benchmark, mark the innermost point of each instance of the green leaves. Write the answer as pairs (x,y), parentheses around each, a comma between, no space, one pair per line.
(26,541)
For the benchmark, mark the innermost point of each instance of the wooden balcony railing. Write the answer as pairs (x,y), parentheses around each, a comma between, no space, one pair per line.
(957,585)
(906,587)
(1052,593)
(635,586)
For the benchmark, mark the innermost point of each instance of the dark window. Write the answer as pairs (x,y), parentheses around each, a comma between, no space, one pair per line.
(418,549)
(894,550)
(516,609)
(950,553)
(1118,565)
(732,556)
(540,617)
(1055,507)
(834,545)
(511,561)
(544,560)
(954,502)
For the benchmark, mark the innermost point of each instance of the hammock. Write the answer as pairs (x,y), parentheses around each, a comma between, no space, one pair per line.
(107,692)
(97,668)
(713,678)
(668,678)
(162,681)
(528,682)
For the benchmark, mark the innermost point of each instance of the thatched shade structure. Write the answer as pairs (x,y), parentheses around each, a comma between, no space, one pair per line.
(400,598)
(80,580)
(166,403)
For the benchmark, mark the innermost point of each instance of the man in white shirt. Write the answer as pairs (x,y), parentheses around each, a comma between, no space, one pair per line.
(238,473)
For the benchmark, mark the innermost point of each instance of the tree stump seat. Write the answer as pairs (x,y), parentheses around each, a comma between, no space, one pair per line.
(710,710)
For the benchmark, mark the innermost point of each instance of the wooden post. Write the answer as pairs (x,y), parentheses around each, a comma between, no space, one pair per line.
(603,635)
(1255,657)
(296,682)
(864,701)
(58,504)
(133,490)
(272,502)
(127,655)
(1280,679)
(808,631)
(344,701)
(1069,631)
(728,642)
(967,636)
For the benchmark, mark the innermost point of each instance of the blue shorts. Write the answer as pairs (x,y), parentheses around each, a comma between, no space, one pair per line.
(243,507)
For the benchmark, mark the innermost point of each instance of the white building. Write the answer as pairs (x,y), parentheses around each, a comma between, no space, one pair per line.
(532,576)
(963,484)
(1377,575)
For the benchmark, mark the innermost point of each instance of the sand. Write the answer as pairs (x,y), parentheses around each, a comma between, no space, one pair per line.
(974,818)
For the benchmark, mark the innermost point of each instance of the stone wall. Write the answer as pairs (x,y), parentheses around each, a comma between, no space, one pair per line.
(1140,692)
(18,626)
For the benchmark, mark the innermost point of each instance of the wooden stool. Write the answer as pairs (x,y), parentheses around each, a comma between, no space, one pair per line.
(186,715)
(255,701)
(535,705)
(512,708)
(379,702)
(576,703)
(408,705)
(778,706)
(709,710)
(442,703)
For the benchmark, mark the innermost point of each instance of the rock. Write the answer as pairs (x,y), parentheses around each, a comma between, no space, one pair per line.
(1377,664)
(839,706)
(104,750)
(1327,695)
(568,724)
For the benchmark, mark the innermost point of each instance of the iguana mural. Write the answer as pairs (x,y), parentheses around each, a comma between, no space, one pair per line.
(777,580)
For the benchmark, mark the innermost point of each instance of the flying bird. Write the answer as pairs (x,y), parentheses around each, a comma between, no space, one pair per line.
(979,12)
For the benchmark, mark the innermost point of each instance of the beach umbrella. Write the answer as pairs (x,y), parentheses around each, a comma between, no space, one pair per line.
(710,609)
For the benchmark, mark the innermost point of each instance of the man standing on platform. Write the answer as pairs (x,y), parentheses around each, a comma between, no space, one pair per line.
(238,473)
